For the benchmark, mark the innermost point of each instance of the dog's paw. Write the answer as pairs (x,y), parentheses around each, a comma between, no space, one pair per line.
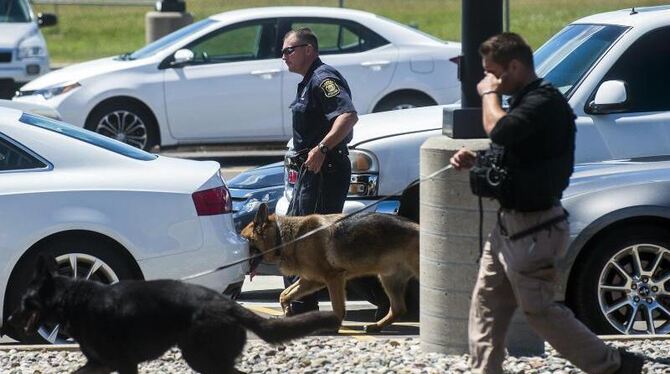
(288,312)
(372,328)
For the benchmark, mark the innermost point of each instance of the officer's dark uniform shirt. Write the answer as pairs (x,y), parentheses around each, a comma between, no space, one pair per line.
(538,134)
(322,95)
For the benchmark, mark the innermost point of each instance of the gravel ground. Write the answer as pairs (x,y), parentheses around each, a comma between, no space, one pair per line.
(325,355)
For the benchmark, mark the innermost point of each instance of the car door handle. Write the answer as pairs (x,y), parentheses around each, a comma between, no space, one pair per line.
(375,65)
(265,74)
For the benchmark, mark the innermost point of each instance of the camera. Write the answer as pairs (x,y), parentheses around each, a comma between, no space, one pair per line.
(488,176)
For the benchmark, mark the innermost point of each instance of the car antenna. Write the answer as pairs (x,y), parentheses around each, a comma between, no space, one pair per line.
(633,11)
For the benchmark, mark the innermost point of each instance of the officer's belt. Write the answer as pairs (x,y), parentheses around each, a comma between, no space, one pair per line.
(533,229)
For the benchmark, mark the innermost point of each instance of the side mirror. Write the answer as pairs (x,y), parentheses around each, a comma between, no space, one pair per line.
(46,19)
(611,97)
(182,57)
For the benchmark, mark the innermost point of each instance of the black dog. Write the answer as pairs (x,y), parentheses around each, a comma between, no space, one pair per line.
(118,326)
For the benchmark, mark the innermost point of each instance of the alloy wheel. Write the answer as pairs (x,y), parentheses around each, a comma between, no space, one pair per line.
(77,265)
(404,106)
(633,290)
(124,126)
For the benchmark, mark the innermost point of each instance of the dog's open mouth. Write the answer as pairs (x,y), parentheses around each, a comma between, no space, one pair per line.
(253,264)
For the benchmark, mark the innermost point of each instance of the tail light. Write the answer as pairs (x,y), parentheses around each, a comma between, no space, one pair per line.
(213,201)
(292,177)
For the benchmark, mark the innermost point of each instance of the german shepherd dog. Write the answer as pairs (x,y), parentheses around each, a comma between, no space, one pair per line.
(118,326)
(366,244)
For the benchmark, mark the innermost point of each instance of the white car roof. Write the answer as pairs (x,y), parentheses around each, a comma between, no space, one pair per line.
(399,35)
(80,165)
(645,17)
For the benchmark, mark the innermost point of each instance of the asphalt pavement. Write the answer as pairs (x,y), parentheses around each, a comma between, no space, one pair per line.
(261,296)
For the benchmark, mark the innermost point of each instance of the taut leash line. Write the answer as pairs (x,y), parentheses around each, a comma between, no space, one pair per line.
(305,235)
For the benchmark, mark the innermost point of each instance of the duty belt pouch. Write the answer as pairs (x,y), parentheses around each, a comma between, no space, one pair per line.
(294,160)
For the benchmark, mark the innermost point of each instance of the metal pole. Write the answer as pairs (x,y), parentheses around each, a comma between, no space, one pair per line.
(507,24)
(341,3)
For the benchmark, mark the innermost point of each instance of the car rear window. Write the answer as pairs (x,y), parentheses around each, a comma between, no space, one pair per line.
(89,137)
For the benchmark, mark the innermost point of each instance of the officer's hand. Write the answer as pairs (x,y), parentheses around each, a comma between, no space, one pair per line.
(488,83)
(463,159)
(315,160)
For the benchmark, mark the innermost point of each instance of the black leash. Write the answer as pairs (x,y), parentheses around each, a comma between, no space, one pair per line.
(309,233)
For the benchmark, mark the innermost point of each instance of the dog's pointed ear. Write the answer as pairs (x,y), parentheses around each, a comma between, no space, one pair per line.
(261,215)
(46,265)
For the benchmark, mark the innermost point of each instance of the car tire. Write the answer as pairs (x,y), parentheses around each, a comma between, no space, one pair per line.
(126,121)
(93,259)
(609,290)
(405,100)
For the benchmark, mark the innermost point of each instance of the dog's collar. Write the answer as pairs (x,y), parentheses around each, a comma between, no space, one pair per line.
(278,241)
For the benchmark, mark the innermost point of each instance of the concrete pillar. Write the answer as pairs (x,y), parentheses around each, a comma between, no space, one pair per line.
(449,254)
(159,24)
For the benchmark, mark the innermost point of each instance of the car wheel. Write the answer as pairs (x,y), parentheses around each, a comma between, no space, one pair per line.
(85,258)
(623,286)
(125,121)
(403,101)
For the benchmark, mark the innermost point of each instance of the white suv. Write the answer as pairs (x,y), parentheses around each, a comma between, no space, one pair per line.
(612,67)
(23,51)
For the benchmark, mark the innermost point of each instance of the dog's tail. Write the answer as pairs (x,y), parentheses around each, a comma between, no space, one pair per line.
(281,329)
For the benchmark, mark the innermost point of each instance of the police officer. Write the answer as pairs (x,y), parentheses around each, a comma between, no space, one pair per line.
(323,121)
(517,264)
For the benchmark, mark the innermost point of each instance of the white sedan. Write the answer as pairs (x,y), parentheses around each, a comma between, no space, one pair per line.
(222,80)
(107,211)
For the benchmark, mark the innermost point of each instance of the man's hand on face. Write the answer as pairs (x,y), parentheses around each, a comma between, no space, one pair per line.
(463,159)
(315,160)
(488,83)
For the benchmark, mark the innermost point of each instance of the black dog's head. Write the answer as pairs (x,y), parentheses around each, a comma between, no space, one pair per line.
(38,300)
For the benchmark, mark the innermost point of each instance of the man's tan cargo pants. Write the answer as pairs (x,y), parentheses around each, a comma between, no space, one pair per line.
(521,273)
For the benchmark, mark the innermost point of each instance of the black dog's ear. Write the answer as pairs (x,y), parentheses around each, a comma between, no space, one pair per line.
(45,265)
(261,216)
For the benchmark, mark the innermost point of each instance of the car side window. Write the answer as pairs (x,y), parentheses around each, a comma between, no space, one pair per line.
(644,68)
(250,41)
(14,158)
(339,37)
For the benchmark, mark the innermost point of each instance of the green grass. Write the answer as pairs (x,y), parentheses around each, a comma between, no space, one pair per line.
(88,32)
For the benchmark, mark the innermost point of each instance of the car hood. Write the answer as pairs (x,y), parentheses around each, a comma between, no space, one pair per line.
(80,72)
(380,125)
(599,176)
(12,32)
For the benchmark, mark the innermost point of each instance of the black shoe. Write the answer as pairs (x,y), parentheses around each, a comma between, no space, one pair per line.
(298,307)
(631,363)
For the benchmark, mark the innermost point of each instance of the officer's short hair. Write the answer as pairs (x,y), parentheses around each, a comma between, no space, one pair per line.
(304,35)
(505,47)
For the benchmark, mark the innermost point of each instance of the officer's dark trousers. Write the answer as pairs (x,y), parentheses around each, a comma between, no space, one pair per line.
(325,193)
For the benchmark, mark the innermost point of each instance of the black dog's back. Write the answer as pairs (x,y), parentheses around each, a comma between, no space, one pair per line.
(118,326)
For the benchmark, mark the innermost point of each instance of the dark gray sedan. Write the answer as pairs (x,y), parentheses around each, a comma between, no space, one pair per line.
(264,184)
(616,274)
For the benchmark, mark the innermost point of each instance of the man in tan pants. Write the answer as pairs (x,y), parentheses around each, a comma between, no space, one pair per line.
(537,139)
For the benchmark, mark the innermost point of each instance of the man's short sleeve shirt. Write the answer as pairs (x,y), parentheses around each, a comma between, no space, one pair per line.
(322,96)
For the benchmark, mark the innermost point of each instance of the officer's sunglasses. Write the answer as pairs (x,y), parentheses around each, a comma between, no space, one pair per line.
(289,50)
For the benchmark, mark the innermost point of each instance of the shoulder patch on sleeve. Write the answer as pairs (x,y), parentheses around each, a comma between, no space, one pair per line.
(329,87)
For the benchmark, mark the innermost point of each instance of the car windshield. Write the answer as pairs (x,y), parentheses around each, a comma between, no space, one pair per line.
(267,176)
(89,137)
(14,11)
(166,41)
(566,57)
